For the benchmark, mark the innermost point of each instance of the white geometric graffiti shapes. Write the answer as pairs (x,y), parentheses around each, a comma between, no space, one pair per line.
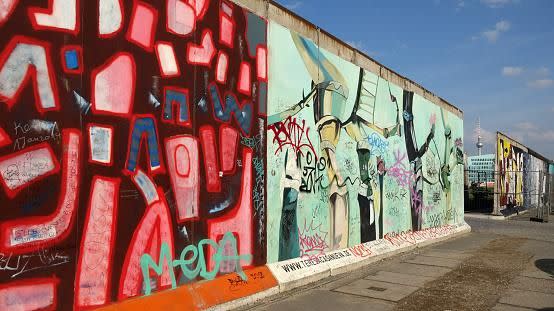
(261,63)
(200,7)
(110,19)
(153,230)
(113,86)
(221,67)
(243,85)
(6,9)
(93,277)
(181,19)
(238,221)
(25,59)
(60,16)
(143,25)
(182,157)
(29,294)
(167,60)
(27,166)
(36,232)
(202,54)
(100,142)
(226,25)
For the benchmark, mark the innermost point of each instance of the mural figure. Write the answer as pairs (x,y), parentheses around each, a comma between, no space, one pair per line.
(510,164)
(415,154)
(452,157)
(328,96)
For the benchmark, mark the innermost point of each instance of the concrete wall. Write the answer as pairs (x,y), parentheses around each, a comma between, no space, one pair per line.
(521,178)
(353,156)
(150,145)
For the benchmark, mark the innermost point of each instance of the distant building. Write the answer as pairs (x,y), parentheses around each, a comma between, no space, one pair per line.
(481,168)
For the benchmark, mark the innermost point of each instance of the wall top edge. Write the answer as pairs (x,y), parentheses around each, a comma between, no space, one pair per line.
(539,156)
(526,149)
(254,5)
(513,141)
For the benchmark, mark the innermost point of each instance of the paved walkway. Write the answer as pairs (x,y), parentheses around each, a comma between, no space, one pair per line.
(478,271)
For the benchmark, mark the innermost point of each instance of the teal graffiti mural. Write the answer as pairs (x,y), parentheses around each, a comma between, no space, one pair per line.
(352,154)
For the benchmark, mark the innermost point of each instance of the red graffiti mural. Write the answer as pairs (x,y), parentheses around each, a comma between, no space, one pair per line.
(124,139)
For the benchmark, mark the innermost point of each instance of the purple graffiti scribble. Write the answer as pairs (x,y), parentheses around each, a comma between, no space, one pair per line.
(406,178)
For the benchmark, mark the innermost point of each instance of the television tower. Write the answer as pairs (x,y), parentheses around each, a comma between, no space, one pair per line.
(479,137)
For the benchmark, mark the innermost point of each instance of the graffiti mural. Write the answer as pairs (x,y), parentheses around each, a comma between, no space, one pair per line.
(132,148)
(522,179)
(354,155)
(147,145)
(511,166)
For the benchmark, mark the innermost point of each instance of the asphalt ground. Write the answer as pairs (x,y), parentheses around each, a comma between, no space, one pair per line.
(500,265)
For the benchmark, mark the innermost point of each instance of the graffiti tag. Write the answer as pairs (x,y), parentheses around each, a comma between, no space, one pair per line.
(226,251)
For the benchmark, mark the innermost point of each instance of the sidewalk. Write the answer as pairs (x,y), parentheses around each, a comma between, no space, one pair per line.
(506,214)
(478,271)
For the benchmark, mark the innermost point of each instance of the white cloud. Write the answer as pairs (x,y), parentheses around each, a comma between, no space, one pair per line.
(293,5)
(548,136)
(503,26)
(495,4)
(531,134)
(488,137)
(526,126)
(492,34)
(460,5)
(543,71)
(552,109)
(541,83)
(510,71)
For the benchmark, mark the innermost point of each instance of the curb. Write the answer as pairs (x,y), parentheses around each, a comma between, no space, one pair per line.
(229,291)
(494,217)
(333,268)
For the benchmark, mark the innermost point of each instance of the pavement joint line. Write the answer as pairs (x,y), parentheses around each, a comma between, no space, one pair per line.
(398,283)
(366,297)
(423,255)
(511,305)
(423,264)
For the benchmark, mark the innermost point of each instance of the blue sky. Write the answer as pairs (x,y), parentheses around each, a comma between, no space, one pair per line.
(490,58)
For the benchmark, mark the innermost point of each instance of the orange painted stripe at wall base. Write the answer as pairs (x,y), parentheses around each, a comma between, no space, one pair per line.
(203,294)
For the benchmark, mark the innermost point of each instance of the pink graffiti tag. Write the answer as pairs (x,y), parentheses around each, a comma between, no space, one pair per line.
(291,133)
(398,171)
(405,178)
(312,241)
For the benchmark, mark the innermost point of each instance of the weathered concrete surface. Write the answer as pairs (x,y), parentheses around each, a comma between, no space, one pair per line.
(415,269)
(434,261)
(328,300)
(507,271)
(400,278)
(528,299)
(446,254)
(377,289)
